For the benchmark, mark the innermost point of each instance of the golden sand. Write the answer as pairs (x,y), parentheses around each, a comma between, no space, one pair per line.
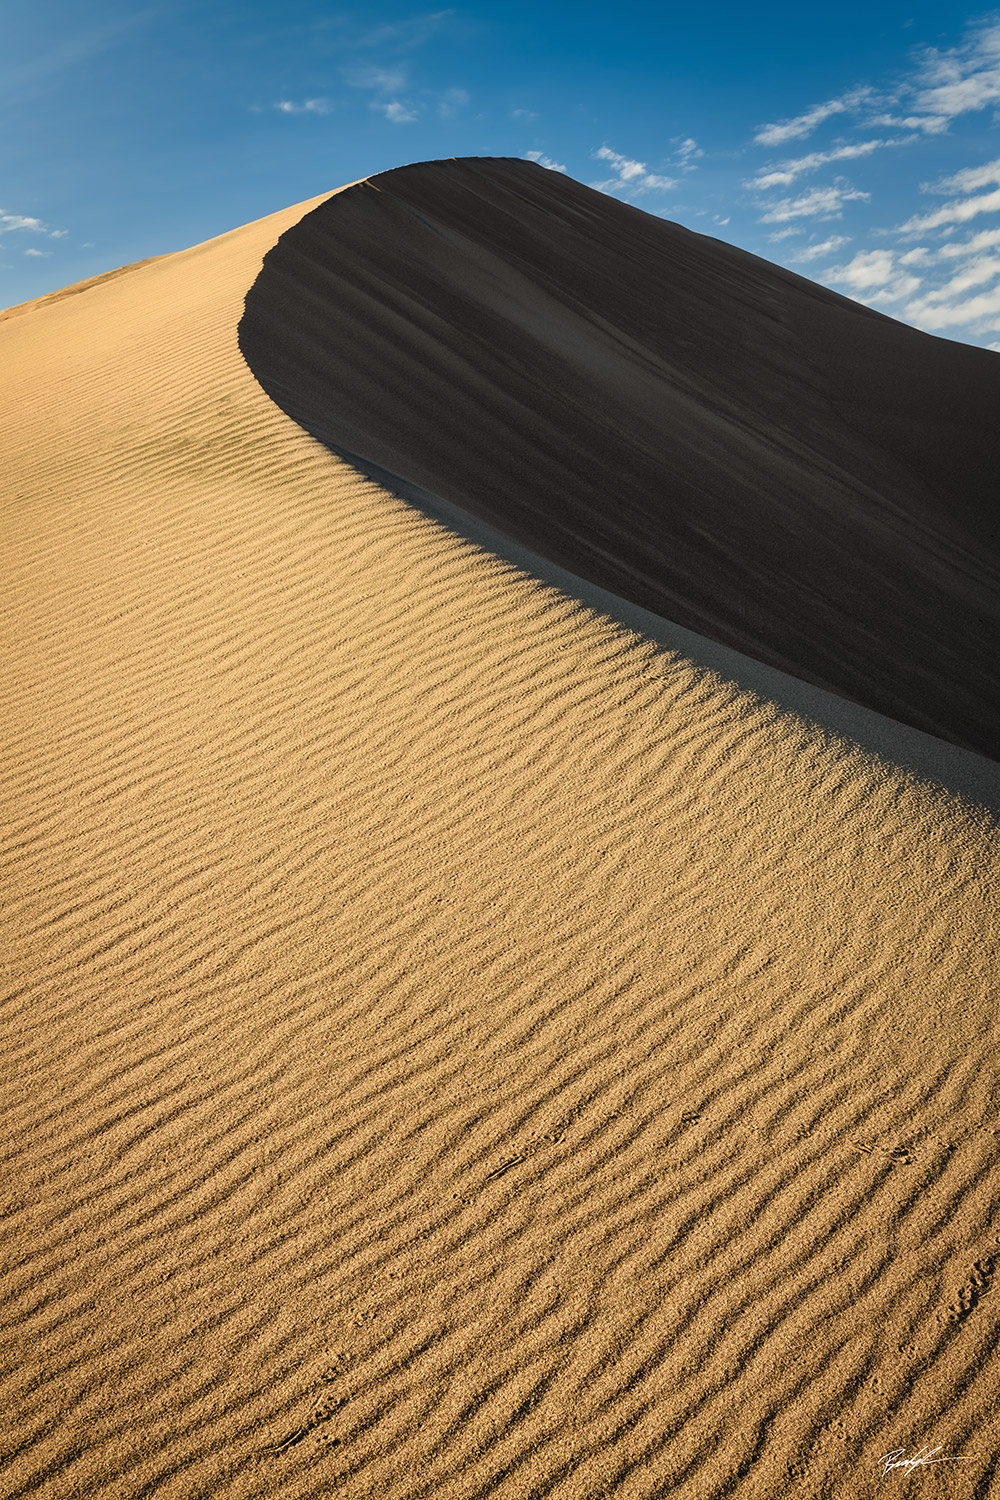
(451,1046)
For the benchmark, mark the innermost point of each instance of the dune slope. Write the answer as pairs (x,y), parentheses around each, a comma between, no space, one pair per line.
(449,1047)
(700,432)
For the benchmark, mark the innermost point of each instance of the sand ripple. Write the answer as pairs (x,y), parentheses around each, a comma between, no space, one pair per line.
(451,1047)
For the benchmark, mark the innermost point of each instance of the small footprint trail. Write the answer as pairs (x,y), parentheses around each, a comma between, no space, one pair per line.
(322,1414)
(979,1283)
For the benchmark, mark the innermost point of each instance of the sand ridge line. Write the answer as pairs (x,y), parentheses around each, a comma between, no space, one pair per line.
(77,287)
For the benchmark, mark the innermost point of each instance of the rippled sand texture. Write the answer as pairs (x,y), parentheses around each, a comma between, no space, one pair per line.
(450,1047)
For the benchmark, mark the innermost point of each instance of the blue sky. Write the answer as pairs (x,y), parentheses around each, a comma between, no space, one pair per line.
(856,144)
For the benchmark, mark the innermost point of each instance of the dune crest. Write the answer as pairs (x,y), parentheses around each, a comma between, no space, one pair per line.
(450,1047)
(706,435)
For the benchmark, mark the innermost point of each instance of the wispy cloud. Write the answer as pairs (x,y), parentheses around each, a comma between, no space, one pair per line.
(544,161)
(20,221)
(986,239)
(785,173)
(968,179)
(875,273)
(398,113)
(452,102)
(379,80)
(942,85)
(959,210)
(632,176)
(403,35)
(978,270)
(306,107)
(802,125)
(527,115)
(687,154)
(960,79)
(951,284)
(918,256)
(940,297)
(386,84)
(40,253)
(980,313)
(818,203)
(822,248)
(58,234)
(927,124)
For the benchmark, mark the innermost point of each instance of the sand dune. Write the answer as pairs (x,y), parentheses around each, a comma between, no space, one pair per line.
(708,435)
(451,1045)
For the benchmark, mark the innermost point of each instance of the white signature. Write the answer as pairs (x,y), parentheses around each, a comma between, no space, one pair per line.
(897,1460)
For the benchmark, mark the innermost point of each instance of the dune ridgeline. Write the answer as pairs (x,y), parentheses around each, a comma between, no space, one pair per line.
(459,1041)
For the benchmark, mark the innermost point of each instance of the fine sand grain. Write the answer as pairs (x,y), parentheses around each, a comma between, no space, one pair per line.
(452,1047)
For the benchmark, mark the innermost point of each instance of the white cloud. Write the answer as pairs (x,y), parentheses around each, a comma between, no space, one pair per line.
(38,252)
(825,247)
(687,153)
(804,124)
(785,173)
(868,268)
(58,234)
(981,312)
(627,170)
(982,269)
(784,234)
(875,273)
(971,249)
(928,124)
(986,239)
(942,86)
(399,114)
(524,114)
(968,179)
(307,107)
(544,161)
(632,175)
(961,79)
(959,210)
(20,221)
(821,203)
(918,256)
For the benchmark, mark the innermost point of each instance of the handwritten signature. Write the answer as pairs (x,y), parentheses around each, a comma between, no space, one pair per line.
(897,1460)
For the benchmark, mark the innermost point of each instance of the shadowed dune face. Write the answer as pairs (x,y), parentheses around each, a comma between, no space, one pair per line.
(679,422)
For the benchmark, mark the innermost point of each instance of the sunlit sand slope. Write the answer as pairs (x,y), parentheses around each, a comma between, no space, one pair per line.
(708,435)
(449,1047)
